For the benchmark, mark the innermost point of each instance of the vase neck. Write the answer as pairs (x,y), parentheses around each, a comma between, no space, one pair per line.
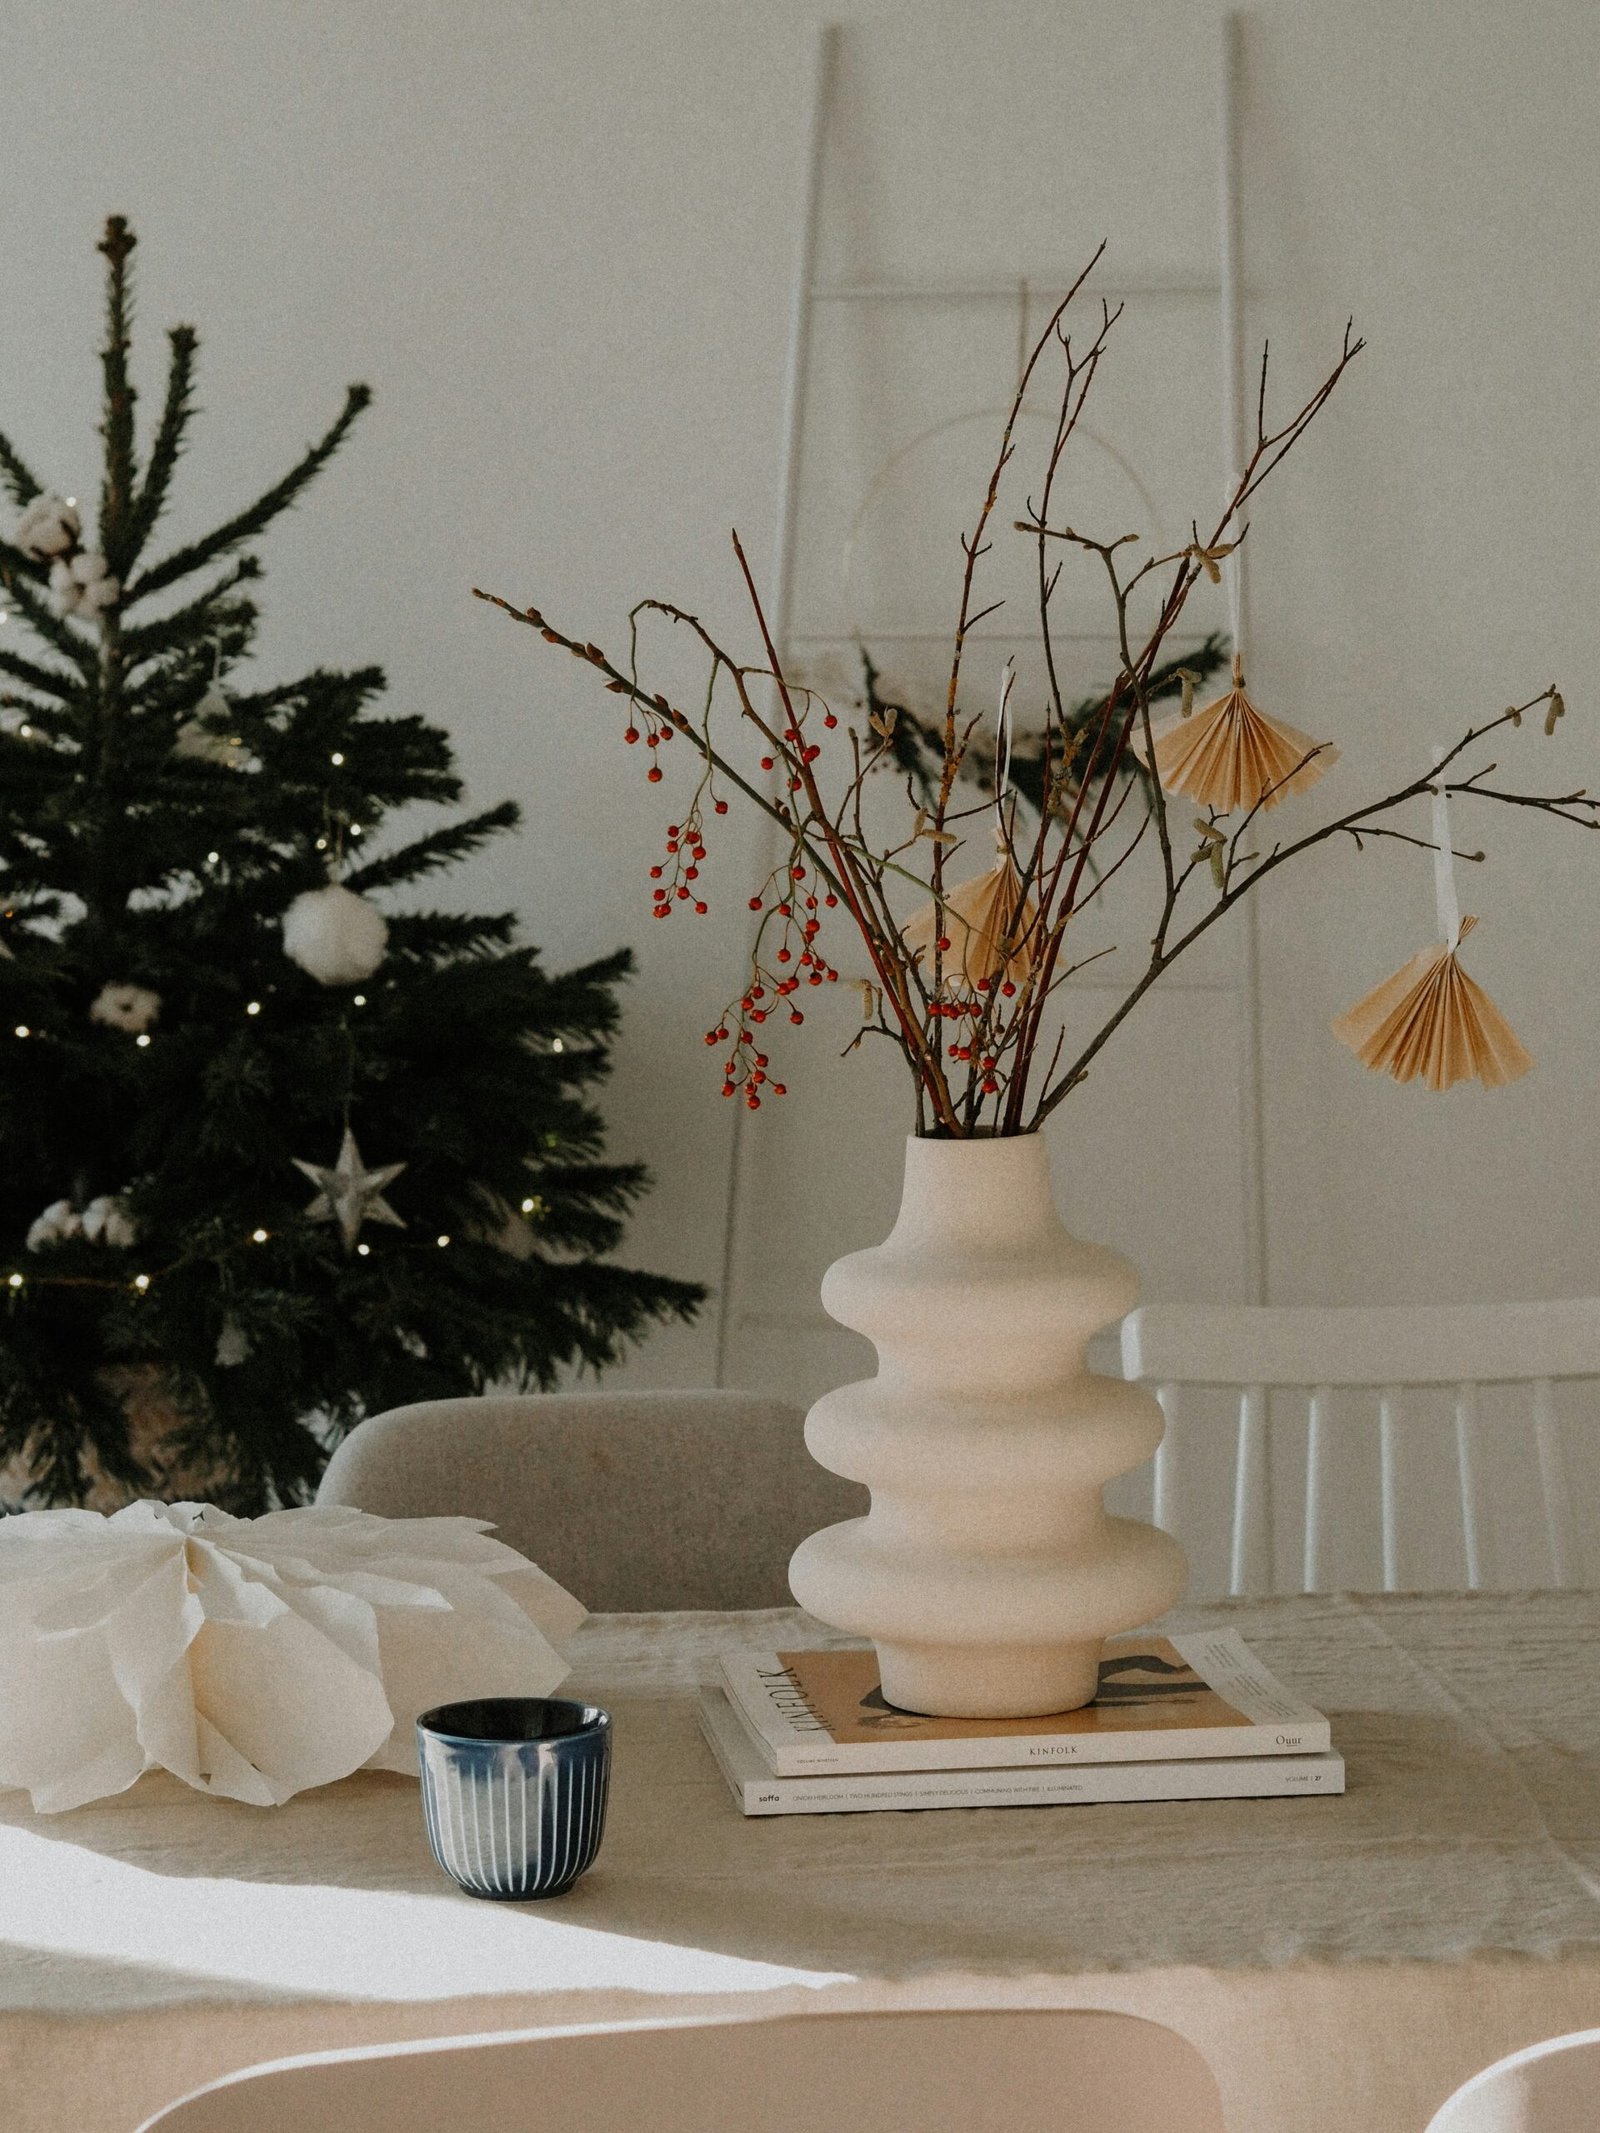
(990,1192)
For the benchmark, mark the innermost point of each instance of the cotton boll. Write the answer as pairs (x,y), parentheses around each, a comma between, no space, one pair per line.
(97,588)
(83,585)
(130,1007)
(65,591)
(49,526)
(107,1221)
(59,1221)
(335,935)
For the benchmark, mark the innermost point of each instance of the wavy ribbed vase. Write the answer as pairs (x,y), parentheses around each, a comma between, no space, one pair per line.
(987,1572)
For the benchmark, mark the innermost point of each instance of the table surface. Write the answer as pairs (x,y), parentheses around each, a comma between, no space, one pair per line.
(1470,1728)
(1470,1830)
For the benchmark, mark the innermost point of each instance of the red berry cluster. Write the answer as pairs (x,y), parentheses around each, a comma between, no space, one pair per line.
(678,877)
(977,1045)
(660,721)
(802,752)
(791,903)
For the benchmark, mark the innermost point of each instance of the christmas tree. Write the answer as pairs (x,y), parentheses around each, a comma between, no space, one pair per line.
(275,1158)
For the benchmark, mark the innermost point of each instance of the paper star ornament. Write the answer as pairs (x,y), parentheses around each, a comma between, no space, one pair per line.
(350,1194)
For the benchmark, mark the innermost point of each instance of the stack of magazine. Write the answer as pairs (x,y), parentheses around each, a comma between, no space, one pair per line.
(1184,1718)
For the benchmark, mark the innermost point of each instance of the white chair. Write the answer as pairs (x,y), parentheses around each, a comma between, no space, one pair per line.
(1549,2088)
(632,1501)
(969,2072)
(1258,1351)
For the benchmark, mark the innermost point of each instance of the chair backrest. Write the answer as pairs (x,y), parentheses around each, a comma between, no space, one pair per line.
(1549,2088)
(971,2072)
(1258,1351)
(631,1500)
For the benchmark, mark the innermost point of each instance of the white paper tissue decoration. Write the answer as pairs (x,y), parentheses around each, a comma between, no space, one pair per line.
(252,1657)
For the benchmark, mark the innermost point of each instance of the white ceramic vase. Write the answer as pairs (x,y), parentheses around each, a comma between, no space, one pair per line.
(987,1570)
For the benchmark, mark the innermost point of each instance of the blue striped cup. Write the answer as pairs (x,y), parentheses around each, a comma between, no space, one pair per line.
(514,1791)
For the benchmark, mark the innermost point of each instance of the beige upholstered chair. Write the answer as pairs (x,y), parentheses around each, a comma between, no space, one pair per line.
(975,2072)
(631,1500)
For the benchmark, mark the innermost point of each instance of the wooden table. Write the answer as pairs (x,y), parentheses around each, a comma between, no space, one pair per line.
(1343,1963)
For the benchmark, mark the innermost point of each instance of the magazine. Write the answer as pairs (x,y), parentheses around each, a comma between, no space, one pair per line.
(757,1791)
(1161,1699)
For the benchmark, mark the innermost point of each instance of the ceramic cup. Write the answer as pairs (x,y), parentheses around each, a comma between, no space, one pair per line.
(514,1791)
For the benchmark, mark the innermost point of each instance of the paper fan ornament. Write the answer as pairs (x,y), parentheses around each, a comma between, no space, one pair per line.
(1430,1022)
(988,921)
(1229,755)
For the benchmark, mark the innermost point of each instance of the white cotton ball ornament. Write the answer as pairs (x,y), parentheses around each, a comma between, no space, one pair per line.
(59,1221)
(107,1221)
(335,935)
(49,526)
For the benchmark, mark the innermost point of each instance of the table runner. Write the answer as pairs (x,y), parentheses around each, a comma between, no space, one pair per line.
(1381,1945)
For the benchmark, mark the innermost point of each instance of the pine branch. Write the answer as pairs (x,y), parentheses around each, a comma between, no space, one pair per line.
(199,617)
(48,680)
(116,494)
(21,564)
(19,478)
(438,849)
(168,443)
(347,690)
(249,523)
(442,936)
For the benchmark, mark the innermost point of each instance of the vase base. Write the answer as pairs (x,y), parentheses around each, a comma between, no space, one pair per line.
(989,1681)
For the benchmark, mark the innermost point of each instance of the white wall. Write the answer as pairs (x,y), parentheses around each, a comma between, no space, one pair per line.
(558,242)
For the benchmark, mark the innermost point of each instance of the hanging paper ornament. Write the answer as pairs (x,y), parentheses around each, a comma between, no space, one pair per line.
(200,743)
(987,921)
(335,935)
(59,1221)
(233,1345)
(1229,755)
(348,1193)
(206,735)
(83,585)
(106,1220)
(49,526)
(130,1007)
(1430,1021)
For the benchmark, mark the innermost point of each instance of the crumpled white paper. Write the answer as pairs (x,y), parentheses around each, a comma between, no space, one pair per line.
(252,1657)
